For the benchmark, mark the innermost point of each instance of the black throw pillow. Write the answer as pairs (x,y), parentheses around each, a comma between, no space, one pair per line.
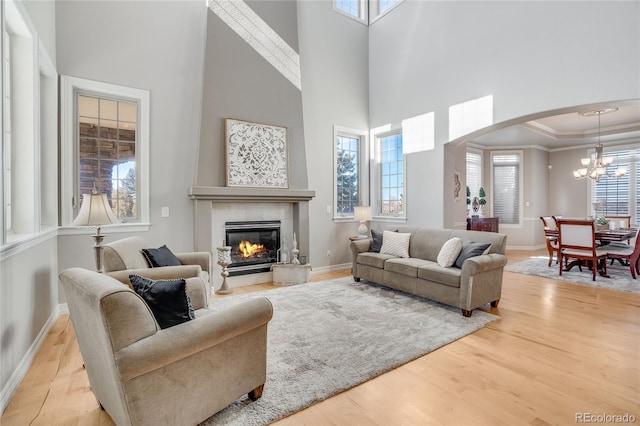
(470,249)
(167,299)
(161,257)
(376,244)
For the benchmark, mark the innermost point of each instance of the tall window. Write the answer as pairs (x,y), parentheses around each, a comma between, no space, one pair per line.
(105,137)
(621,196)
(391,176)
(474,172)
(350,170)
(106,152)
(507,183)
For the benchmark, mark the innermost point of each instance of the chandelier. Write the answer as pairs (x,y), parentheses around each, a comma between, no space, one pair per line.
(595,168)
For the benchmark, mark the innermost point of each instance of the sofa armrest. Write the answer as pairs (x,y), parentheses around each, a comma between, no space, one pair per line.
(202,258)
(159,273)
(484,262)
(360,246)
(159,349)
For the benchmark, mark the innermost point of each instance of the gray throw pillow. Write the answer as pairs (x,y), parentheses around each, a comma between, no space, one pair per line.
(376,244)
(167,299)
(470,249)
(161,256)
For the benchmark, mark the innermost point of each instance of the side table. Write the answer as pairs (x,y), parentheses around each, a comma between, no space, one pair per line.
(289,274)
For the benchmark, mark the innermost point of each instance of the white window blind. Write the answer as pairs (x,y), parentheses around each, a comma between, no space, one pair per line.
(474,173)
(620,195)
(506,187)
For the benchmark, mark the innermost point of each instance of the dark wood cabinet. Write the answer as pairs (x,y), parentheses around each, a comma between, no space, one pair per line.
(486,224)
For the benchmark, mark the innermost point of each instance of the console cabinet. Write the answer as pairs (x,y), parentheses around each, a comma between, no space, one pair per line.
(486,224)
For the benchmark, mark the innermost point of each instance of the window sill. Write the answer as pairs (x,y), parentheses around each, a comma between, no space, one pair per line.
(390,219)
(112,229)
(25,242)
(343,219)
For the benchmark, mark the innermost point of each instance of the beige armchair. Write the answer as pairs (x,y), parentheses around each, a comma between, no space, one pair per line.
(144,375)
(124,257)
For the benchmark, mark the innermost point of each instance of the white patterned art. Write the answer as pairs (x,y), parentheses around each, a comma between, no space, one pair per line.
(256,155)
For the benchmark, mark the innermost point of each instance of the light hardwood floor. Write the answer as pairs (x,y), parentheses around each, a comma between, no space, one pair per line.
(557,351)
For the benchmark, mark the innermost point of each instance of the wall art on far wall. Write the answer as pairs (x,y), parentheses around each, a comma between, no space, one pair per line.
(257,155)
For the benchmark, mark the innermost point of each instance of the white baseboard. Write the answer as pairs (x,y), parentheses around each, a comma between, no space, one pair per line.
(23,367)
(331,268)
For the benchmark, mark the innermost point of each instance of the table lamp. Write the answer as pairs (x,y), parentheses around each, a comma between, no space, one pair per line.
(362,214)
(96,211)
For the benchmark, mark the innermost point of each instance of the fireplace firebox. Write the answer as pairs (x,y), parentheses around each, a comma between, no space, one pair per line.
(254,245)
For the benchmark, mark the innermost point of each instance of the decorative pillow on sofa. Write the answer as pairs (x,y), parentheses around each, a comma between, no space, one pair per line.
(395,243)
(161,257)
(376,244)
(449,252)
(167,299)
(471,249)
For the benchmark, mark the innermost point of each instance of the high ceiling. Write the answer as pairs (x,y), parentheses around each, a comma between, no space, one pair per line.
(569,129)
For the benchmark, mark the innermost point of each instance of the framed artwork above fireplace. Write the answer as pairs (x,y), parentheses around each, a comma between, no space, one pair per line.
(257,155)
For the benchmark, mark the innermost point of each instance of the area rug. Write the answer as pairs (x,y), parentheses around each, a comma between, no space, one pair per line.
(620,276)
(329,336)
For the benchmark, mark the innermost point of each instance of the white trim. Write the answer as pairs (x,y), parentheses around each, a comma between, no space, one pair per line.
(23,367)
(111,229)
(363,169)
(259,35)
(331,268)
(69,86)
(26,242)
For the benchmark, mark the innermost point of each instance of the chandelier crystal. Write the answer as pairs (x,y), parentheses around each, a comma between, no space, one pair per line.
(595,168)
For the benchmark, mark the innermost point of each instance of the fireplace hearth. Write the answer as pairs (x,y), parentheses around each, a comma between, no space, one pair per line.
(254,245)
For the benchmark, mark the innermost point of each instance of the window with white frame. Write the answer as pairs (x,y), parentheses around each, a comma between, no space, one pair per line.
(350,170)
(391,172)
(19,142)
(474,173)
(105,130)
(507,186)
(619,196)
(365,11)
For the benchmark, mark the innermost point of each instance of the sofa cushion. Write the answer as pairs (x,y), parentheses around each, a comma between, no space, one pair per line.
(405,266)
(471,249)
(161,256)
(426,243)
(373,259)
(395,243)
(449,252)
(167,299)
(431,271)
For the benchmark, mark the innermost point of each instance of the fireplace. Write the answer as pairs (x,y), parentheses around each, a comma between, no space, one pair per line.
(254,245)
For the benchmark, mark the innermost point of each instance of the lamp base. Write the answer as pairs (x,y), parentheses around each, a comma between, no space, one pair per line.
(362,230)
(97,247)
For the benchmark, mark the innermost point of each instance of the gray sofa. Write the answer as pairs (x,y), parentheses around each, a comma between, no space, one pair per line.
(477,283)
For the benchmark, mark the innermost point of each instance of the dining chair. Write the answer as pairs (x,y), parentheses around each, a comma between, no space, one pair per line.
(555,219)
(552,242)
(625,221)
(577,240)
(630,254)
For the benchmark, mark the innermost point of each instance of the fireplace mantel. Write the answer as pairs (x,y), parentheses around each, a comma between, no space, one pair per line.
(227,194)
(207,222)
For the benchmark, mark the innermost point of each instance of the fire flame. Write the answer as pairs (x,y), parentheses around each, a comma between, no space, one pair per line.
(248,249)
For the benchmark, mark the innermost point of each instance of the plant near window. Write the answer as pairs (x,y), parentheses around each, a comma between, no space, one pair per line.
(482,195)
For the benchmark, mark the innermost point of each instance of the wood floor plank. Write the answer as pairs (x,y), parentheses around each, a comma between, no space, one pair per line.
(558,349)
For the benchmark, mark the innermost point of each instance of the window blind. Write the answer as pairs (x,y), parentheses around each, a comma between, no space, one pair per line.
(474,173)
(506,188)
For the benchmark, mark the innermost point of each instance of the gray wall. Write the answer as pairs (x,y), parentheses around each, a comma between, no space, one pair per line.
(156,46)
(334,61)
(531,56)
(241,84)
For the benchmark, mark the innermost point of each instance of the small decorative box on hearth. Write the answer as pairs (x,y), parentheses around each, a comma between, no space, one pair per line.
(289,274)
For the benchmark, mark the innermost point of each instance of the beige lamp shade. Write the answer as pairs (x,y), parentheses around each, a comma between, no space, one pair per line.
(95,211)
(362,213)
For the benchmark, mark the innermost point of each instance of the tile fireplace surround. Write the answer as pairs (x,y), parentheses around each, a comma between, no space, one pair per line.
(216,205)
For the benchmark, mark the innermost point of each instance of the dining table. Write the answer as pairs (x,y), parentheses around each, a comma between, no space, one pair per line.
(603,237)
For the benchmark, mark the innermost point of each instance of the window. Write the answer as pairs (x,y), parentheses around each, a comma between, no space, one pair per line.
(356,9)
(19,137)
(379,8)
(391,175)
(351,175)
(469,116)
(474,172)
(620,196)
(105,146)
(507,182)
